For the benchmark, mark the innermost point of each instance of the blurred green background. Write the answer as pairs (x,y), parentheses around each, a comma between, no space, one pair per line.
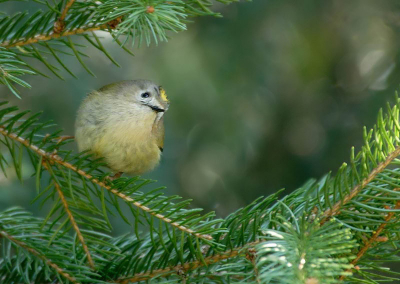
(270,95)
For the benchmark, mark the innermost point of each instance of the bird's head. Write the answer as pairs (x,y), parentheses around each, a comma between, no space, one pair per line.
(144,93)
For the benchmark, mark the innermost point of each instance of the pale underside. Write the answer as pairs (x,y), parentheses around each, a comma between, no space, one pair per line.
(127,149)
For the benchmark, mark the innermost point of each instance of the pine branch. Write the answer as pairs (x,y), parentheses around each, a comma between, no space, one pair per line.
(145,20)
(57,159)
(172,210)
(242,228)
(307,236)
(47,37)
(41,256)
(361,197)
(301,251)
(70,216)
(357,189)
(79,179)
(317,250)
(133,20)
(181,269)
(374,238)
(31,254)
(10,68)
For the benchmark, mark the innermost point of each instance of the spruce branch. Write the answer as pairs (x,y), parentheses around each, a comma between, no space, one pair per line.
(281,241)
(39,255)
(144,21)
(54,157)
(31,254)
(357,189)
(363,197)
(10,68)
(137,21)
(308,236)
(178,269)
(300,251)
(373,239)
(71,178)
(70,215)
(57,159)
(47,37)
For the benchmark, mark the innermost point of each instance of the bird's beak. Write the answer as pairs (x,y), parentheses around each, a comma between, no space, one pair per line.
(157,109)
(161,103)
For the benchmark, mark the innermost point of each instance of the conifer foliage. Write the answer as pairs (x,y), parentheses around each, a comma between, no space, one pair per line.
(343,227)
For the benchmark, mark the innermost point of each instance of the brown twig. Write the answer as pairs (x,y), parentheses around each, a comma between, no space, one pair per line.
(38,254)
(71,218)
(251,256)
(66,8)
(114,23)
(58,31)
(63,138)
(45,37)
(356,190)
(374,238)
(57,159)
(187,266)
(59,25)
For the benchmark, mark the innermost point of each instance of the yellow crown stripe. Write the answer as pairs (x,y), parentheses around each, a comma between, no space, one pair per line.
(163,95)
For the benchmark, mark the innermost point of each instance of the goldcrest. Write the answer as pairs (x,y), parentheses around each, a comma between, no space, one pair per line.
(124,123)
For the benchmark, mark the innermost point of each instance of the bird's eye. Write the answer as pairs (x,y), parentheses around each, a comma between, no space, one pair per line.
(145,95)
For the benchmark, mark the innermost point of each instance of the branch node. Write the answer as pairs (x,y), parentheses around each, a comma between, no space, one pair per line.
(150,9)
(59,26)
(382,239)
(114,23)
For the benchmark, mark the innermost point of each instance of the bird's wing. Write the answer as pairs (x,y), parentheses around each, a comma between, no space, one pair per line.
(159,132)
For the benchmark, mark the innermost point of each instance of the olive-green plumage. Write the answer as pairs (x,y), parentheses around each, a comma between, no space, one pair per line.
(124,123)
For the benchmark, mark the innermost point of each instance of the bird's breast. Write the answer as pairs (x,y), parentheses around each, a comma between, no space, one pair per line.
(129,146)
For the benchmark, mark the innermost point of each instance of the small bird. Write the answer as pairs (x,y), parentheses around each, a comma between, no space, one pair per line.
(124,123)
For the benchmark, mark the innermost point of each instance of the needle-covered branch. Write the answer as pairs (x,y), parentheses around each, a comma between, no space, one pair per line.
(357,189)
(87,197)
(363,197)
(25,243)
(182,269)
(69,214)
(302,252)
(11,67)
(51,36)
(174,215)
(374,238)
(39,255)
(46,35)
